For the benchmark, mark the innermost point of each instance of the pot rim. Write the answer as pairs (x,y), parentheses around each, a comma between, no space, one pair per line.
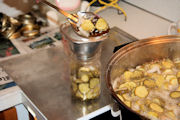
(124,50)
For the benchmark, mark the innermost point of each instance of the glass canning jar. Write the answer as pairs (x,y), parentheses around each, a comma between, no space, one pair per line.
(85,78)
(85,66)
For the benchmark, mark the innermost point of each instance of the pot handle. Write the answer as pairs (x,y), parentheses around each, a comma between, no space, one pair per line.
(115,111)
(172,27)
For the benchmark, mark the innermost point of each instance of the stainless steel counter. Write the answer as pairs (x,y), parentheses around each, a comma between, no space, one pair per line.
(44,77)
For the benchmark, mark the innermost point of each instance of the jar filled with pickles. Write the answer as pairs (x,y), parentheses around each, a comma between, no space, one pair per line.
(85,78)
(85,66)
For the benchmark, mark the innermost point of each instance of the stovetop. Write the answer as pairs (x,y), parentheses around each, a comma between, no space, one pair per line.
(45,81)
(107,113)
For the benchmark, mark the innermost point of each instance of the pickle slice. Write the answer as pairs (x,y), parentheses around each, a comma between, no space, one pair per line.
(178,89)
(159,101)
(174,81)
(159,80)
(142,107)
(101,25)
(95,73)
(94,82)
(89,94)
(128,103)
(120,97)
(122,91)
(156,107)
(141,91)
(171,115)
(84,69)
(153,114)
(137,74)
(177,65)
(128,85)
(167,71)
(147,102)
(178,104)
(80,95)
(175,94)
(127,75)
(85,78)
(78,81)
(96,90)
(149,83)
(169,77)
(178,74)
(126,96)
(84,88)
(87,25)
(167,63)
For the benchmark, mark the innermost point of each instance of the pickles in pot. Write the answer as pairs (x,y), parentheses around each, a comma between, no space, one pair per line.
(178,74)
(153,114)
(158,101)
(178,89)
(149,83)
(171,114)
(175,94)
(156,107)
(128,85)
(137,74)
(127,75)
(120,97)
(178,104)
(141,91)
(167,63)
(128,103)
(126,96)
(157,90)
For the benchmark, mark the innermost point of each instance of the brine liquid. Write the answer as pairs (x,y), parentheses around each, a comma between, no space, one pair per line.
(152,89)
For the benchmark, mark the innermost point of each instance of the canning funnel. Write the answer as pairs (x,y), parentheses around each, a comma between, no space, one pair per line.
(83,47)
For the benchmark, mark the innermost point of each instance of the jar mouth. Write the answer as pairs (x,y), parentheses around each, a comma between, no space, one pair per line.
(90,56)
(84,50)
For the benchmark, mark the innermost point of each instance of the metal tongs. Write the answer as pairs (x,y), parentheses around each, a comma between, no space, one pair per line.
(73,18)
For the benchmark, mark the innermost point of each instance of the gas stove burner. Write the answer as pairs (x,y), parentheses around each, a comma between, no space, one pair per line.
(107,113)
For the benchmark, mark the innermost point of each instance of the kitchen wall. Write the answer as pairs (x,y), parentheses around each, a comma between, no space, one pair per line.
(169,9)
(15,7)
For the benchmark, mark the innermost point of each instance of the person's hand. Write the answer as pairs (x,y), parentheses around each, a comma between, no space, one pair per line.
(37,1)
(68,5)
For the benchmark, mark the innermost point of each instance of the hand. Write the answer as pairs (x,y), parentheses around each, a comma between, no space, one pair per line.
(37,1)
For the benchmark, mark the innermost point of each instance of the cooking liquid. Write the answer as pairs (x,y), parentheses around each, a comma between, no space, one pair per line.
(158,103)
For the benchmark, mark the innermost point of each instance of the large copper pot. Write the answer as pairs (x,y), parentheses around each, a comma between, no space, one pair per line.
(137,53)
